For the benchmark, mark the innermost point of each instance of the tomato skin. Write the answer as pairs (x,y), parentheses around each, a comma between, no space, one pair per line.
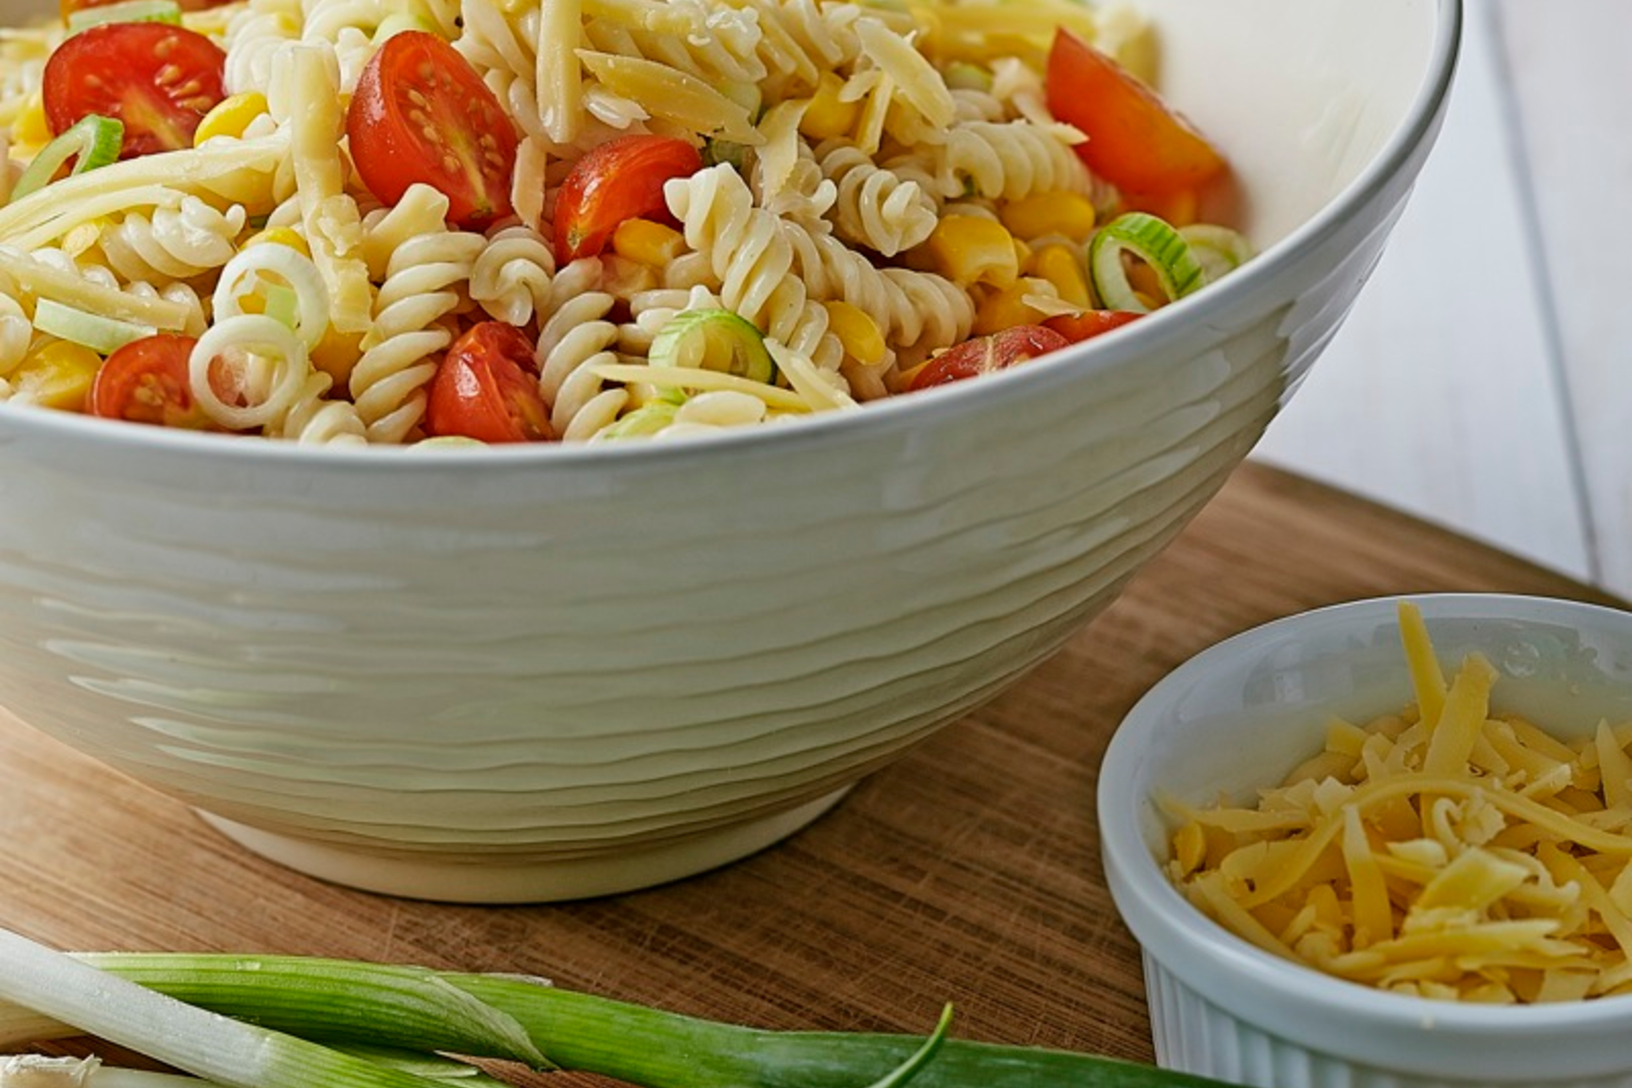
(620,179)
(461,143)
(1134,141)
(159,80)
(486,388)
(1091,323)
(146,382)
(985,354)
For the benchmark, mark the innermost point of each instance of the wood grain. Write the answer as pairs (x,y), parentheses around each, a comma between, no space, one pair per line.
(967,871)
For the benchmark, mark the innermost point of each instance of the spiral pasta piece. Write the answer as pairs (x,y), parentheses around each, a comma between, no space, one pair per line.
(255,34)
(753,258)
(172,243)
(314,420)
(424,283)
(915,310)
(874,207)
(691,36)
(511,277)
(801,39)
(575,339)
(504,46)
(1007,160)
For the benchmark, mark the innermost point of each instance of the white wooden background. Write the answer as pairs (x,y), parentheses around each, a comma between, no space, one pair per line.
(1484,379)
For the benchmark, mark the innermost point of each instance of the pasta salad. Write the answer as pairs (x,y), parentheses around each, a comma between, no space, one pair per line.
(388,221)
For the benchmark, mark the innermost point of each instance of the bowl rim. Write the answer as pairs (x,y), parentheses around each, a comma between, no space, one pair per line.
(899,413)
(1158,914)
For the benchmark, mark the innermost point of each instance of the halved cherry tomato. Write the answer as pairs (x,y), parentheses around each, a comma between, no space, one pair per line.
(1134,141)
(985,354)
(1091,323)
(620,179)
(486,388)
(421,114)
(146,382)
(159,80)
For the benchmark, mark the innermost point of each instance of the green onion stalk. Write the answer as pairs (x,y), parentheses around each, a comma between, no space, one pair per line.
(314,1014)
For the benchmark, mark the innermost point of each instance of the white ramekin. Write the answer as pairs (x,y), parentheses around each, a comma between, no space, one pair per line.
(1240,715)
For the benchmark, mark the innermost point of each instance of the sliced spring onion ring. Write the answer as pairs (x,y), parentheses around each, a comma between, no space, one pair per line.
(713,339)
(282,305)
(1219,250)
(449,440)
(643,422)
(1151,240)
(717,151)
(126,11)
(96,141)
(399,21)
(256,269)
(101,334)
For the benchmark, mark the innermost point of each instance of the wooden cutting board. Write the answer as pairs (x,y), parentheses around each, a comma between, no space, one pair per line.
(969,871)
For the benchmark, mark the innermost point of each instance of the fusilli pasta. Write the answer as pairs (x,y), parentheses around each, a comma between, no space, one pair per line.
(425,281)
(874,207)
(327,237)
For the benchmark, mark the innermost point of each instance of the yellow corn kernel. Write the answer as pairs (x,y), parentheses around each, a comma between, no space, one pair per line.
(651,244)
(59,375)
(863,340)
(967,250)
(336,354)
(279,236)
(828,115)
(1003,309)
(231,116)
(1059,265)
(1041,214)
(31,129)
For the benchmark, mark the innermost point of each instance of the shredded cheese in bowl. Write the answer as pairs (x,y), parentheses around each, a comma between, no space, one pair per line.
(1446,850)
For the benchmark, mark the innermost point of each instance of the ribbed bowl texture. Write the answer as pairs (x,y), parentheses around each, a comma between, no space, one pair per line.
(526,674)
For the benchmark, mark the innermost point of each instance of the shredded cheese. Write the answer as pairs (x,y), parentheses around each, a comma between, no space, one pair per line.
(331,218)
(1444,851)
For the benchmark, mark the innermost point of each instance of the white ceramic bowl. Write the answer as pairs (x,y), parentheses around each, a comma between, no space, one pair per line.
(1242,714)
(507,674)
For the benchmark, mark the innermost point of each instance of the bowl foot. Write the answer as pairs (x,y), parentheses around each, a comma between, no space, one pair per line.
(490,878)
